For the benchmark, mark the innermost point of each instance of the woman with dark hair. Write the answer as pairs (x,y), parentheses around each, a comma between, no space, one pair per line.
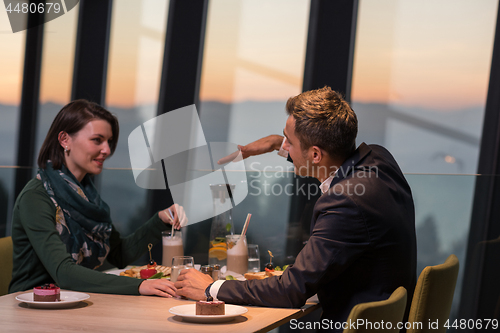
(62,229)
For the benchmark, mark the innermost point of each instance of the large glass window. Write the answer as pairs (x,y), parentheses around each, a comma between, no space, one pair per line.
(11,69)
(421,72)
(58,58)
(420,80)
(253,62)
(134,70)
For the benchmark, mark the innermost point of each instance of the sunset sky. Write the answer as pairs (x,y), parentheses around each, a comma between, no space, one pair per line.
(424,53)
(434,54)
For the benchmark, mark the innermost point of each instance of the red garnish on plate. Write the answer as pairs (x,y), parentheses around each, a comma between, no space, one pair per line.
(150,271)
(270,267)
(147,273)
(152,263)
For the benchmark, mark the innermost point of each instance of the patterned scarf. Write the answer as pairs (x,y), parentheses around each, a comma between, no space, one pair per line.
(82,218)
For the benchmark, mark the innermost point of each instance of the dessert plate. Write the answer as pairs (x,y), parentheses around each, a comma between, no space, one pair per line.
(188,313)
(68,299)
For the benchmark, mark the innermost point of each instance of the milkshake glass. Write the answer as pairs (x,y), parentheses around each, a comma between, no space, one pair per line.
(237,254)
(172,246)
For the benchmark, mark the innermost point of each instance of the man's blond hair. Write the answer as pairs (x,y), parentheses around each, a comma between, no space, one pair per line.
(324,119)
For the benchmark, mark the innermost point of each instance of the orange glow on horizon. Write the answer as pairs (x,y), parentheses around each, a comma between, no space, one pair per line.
(442,65)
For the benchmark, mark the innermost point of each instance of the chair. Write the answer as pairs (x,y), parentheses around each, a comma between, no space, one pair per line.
(433,297)
(5,264)
(391,311)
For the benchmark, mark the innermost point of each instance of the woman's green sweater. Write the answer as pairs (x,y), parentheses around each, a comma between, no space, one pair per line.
(41,257)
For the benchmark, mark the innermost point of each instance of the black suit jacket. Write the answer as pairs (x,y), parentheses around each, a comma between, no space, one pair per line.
(362,245)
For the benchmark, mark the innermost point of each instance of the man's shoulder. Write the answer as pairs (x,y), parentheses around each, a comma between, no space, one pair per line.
(376,147)
(379,158)
(365,178)
(378,150)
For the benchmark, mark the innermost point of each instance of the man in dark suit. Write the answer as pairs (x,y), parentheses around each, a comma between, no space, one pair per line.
(362,245)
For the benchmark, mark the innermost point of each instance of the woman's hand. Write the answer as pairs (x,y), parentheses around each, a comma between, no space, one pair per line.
(180,218)
(158,287)
(191,283)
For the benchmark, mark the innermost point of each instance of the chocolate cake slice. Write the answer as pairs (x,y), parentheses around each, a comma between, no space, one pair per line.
(212,308)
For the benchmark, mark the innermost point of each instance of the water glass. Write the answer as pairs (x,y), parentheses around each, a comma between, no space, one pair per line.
(253,258)
(178,264)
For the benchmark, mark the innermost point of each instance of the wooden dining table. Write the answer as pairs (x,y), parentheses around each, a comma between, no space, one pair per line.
(121,313)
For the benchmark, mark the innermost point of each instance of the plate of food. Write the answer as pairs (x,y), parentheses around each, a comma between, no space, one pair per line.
(230,275)
(145,272)
(50,297)
(149,271)
(210,312)
(261,275)
(270,271)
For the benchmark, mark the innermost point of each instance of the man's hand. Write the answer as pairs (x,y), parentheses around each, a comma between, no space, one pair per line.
(180,218)
(158,287)
(261,146)
(192,284)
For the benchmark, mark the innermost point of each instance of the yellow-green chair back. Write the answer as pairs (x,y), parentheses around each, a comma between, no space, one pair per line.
(391,311)
(5,264)
(433,297)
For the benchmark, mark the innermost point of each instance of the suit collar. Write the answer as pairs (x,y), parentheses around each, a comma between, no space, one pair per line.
(352,161)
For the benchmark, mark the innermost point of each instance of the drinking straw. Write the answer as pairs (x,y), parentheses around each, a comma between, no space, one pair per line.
(171,219)
(245,227)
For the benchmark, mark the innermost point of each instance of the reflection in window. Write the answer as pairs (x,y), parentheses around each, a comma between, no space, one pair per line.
(253,62)
(133,84)
(11,67)
(421,72)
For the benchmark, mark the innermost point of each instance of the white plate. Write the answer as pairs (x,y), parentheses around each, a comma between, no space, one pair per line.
(115,271)
(237,276)
(118,271)
(68,299)
(188,313)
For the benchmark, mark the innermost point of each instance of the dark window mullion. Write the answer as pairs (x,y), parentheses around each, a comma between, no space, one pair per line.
(29,102)
(330,45)
(91,53)
(480,289)
(329,59)
(181,71)
(183,54)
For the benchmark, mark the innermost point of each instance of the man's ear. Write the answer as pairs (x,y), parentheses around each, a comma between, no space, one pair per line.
(63,139)
(316,154)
